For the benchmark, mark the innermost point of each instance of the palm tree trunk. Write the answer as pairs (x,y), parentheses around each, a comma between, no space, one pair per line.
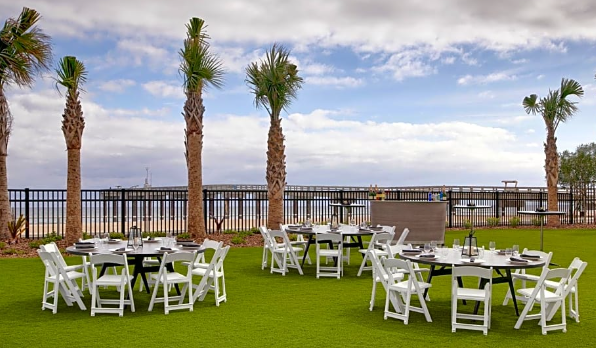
(276,174)
(5,122)
(193,114)
(551,167)
(74,228)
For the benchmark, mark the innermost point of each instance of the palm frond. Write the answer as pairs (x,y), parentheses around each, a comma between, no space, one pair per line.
(71,74)
(24,49)
(555,108)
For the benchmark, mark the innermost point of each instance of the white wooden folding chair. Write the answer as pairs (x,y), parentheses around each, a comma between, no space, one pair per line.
(213,278)
(61,284)
(167,278)
(485,276)
(283,255)
(79,268)
(266,248)
(379,238)
(520,275)
(404,288)
(570,290)
(299,243)
(201,260)
(379,275)
(120,281)
(330,239)
(546,299)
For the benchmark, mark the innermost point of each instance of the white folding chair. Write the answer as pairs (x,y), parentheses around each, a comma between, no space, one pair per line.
(283,255)
(266,248)
(405,288)
(337,254)
(379,238)
(521,275)
(61,284)
(381,276)
(546,299)
(299,243)
(485,276)
(393,250)
(79,268)
(167,278)
(570,289)
(120,281)
(201,261)
(213,278)
(402,237)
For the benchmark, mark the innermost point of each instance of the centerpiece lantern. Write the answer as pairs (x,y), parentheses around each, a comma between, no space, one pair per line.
(134,232)
(470,248)
(334,222)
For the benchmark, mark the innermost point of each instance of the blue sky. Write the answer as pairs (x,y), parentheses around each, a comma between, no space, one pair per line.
(395,93)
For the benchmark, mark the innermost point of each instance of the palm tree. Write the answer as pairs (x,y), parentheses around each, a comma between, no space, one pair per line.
(555,108)
(275,83)
(200,68)
(24,51)
(72,74)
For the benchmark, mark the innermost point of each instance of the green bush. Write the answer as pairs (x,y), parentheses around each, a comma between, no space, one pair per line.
(86,236)
(514,221)
(2,245)
(536,221)
(10,251)
(237,240)
(230,232)
(244,234)
(52,237)
(35,244)
(493,221)
(116,235)
(255,230)
(153,234)
(467,224)
(184,236)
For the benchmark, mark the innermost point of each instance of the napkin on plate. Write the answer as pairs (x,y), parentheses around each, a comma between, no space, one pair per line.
(305,228)
(191,245)
(83,245)
(517,259)
(113,240)
(165,249)
(120,249)
(430,256)
(530,256)
(411,250)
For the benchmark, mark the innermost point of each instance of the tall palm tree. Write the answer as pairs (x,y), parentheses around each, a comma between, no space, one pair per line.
(275,83)
(200,68)
(72,74)
(555,109)
(24,51)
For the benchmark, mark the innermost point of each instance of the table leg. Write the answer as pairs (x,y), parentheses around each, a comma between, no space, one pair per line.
(429,278)
(512,289)
(139,269)
(308,243)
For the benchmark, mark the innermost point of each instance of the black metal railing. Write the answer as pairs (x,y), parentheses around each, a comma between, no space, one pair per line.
(164,210)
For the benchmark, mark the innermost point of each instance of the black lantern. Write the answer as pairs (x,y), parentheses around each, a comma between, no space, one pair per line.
(134,232)
(470,247)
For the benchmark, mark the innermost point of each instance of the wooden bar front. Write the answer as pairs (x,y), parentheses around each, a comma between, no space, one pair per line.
(425,220)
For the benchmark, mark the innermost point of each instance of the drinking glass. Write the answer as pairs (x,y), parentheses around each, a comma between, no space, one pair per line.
(433,245)
(508,252)
(456,244)
(427,248)
(515,250)
(444,252)
(492,246)
(136,243)
(481,252)
(307,223)
(352,222)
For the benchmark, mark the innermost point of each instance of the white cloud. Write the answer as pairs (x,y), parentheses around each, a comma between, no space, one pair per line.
(338,82)
(164,89)
(485,79)
(540,77)
(116,85)
(408,63)
(486,95)
(531,131)
(448,60)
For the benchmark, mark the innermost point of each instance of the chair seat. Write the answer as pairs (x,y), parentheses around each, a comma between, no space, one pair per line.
(298,243)
(525,276)
(281,249)
(403,286)
(471,294)
(329,252)
(379,252)
(109,279)
(202,271)
(172,277)
(549,296)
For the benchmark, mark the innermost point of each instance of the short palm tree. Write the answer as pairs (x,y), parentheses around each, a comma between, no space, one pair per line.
(555,109)
(200,68)
(24,51)
(72,74)
(275,83)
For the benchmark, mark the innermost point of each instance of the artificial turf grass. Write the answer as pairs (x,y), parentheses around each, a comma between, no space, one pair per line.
(266,309)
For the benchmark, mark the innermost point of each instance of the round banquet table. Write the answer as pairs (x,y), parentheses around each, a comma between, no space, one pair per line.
(442,266)
(354,232)
(149,249)
(541,214)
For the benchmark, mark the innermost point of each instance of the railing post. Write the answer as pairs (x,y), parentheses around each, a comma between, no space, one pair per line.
(497,204)
(122,212)
(204,209)
(450,208)
(341,210)
(27,213)
(571,205)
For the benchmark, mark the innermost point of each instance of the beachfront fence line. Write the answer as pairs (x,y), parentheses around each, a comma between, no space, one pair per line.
(165,210)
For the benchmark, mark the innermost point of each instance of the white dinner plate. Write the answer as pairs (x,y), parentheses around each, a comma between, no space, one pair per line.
(166,251)
(114,241)
(468,262)
(427,258)
(151,241)
(116,251)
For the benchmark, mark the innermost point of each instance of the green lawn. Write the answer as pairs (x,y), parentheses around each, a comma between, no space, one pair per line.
(266,309)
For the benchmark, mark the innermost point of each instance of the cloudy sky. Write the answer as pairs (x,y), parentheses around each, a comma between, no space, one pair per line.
(396,93)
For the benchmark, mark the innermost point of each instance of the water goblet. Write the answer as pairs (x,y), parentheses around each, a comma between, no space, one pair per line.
(508,252)
(515,250)
(444,252)
(456,244)
(136,243)
(427,248)
(433,245)
(492,246)
(481,252)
